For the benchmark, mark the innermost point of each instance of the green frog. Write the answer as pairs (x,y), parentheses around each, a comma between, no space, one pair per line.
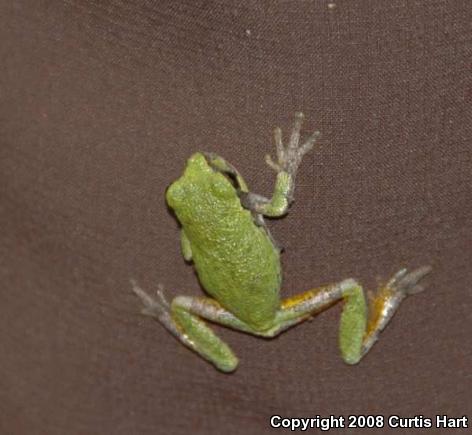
(238,263)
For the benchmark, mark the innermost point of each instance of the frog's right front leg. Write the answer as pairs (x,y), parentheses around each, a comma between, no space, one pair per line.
(187,327)
(286,165)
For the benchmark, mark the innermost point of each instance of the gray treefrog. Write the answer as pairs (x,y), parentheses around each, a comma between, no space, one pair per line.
(238,263)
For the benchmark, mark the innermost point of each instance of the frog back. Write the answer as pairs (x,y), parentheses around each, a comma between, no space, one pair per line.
(235,259)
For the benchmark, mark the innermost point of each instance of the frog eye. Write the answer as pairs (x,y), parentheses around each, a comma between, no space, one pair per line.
(222,166)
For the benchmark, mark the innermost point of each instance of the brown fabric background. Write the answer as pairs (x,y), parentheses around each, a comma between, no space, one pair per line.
(100,105)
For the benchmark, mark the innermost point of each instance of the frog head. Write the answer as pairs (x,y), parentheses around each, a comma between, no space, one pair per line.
(205,189)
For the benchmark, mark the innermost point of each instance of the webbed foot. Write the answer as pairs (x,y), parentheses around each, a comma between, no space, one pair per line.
(156,307)
(187,327)
(290,156)
(386,302)
(406,283)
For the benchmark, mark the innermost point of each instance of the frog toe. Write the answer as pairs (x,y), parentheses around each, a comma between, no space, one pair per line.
(154,307)
(407,283)
(289,156)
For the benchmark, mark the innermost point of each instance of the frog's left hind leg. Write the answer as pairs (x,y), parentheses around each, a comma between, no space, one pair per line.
(187,327)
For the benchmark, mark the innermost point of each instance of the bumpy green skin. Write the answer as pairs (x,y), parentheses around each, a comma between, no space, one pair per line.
(239,265)
(236,261)
(353,325)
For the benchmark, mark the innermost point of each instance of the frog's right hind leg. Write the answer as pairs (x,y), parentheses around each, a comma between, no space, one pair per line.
(188,328)
(360,324)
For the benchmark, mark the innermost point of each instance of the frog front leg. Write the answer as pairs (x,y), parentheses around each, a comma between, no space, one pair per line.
(188,327)
(185,246)
(288,159)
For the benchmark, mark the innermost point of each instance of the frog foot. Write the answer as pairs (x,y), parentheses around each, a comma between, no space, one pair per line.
(158,307)
(406,283)
(290,156)
(385,303)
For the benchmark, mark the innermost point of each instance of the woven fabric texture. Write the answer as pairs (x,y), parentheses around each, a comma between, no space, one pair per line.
(100,105)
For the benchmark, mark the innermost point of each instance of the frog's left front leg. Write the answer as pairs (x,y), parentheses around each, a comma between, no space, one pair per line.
(289,158)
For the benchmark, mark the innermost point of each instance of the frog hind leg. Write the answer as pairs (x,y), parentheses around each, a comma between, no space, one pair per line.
(360,325)
(385,303)
(188,328)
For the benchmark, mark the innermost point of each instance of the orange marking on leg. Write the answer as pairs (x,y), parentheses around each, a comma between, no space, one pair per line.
(376,306)
(300,298)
